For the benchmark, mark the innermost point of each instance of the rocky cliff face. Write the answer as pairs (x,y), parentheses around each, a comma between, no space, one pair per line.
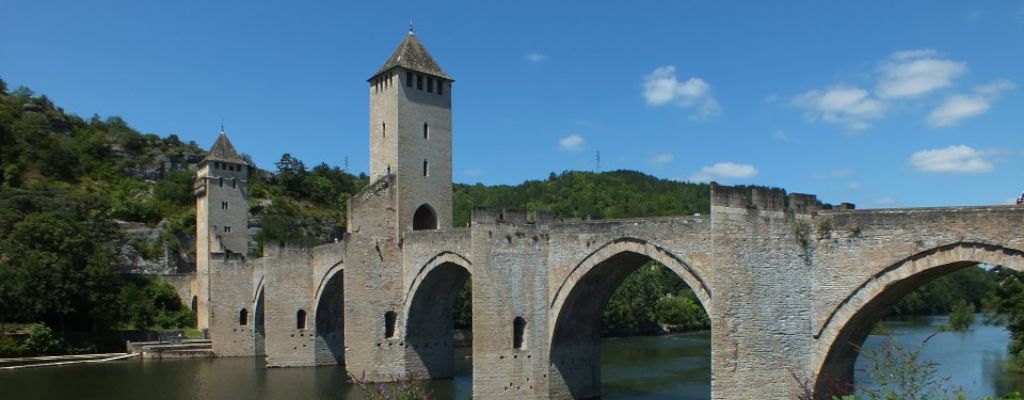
(150,251)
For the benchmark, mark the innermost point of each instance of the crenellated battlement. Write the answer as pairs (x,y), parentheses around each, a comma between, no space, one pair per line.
(509,216)
(762,199)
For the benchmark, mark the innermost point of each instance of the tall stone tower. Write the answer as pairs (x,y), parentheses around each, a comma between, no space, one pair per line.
(411,135)
(410,189)
(222,212)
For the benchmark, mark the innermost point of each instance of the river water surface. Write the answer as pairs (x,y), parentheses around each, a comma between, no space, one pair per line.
(661,367)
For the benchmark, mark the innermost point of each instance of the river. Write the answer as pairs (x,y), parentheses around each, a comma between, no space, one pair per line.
(660,367)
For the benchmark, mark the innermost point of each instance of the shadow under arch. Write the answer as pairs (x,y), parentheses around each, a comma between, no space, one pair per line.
(849,323)
(259,329)
(329,314)
(579,302)
(429,315)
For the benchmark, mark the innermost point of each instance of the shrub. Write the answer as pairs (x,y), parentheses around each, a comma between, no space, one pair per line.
(961,316)
(900,373)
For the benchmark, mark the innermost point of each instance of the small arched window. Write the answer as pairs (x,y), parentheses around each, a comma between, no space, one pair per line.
(426,130)
(383,129)
(518,330)
(300,319)
(426,168)
(389,324)
(243,317)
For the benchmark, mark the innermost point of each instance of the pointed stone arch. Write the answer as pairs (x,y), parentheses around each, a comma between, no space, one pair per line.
(686,271)
(329,319)
(259,329)
(427,319)
(575,310)
(849,323)
(425,218)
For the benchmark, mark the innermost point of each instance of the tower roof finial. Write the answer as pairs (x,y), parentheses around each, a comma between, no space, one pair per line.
(221,126)
(410,27)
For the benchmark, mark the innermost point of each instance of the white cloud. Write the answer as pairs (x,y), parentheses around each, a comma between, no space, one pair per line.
(902,77)
(724,170)
(854,186)
(845,105)
(473,172)
(959,107)
(535,57)
(956,108)
(995,88)
(962,159)
(886,202)
(662,87)
(840,172)
(663,158)
(573,142)
(913,73)
(780,136)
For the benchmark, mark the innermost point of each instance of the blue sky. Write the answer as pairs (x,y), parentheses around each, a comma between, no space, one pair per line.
(880,103)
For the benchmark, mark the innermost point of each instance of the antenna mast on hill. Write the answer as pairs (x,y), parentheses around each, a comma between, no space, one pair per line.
(346,163)
(597,159)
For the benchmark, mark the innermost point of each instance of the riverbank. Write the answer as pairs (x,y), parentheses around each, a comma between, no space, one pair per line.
(673,366)
(7,364)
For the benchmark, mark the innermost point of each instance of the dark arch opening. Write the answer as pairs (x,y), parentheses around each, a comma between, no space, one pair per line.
(259,327)
(389,324)
(430,327)
(330,322)
(195,310)
(424,218)
(518,328)
(587,315)
(300,319)
(243,317)
(926,294)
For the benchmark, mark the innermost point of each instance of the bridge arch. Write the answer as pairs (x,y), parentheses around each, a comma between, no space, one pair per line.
(429,314)
(329,318)
(849,323)
(576,308)
(259,329)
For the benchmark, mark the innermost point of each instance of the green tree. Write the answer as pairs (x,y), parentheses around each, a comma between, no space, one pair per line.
(291,173)
(899,373)
(64,268)
(1005,306)
(176,189)
(961,316)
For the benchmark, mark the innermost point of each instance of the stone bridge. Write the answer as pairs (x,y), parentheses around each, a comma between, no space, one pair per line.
(791,287)
(791,290)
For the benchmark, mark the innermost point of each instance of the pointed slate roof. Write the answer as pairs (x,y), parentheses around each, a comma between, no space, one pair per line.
(411,54)
(222,150)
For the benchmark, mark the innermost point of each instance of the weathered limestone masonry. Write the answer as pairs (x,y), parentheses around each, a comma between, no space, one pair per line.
(790,286)
(290,299)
